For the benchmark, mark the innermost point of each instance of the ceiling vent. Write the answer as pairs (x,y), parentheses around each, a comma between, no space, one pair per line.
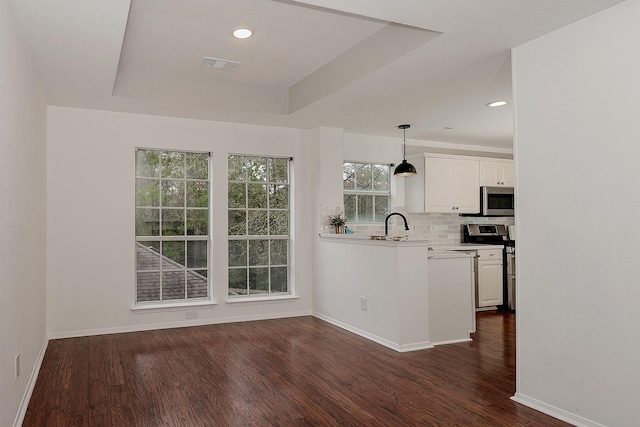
(219,64)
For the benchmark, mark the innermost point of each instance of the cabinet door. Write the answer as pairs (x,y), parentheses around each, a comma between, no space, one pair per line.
(489,283)
(467,190)
(506,174)
(489,173)
(439,185)
(496,173)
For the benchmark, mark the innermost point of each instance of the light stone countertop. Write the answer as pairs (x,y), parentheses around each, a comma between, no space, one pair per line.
(413,240)
(462,246)
(364,239)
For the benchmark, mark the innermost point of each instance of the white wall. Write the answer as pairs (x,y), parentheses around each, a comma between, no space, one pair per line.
(326,170)
(326,190)
(22,217)
(90,173)
(577,93)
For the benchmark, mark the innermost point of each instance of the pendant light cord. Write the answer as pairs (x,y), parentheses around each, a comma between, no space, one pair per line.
(404,144)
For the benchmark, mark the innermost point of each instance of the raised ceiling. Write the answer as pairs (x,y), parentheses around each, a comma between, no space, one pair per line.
(362,65)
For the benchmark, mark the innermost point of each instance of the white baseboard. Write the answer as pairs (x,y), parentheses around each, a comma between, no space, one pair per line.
(26,397)
(374,338)
(177,324)
(415,346)
(452,341)
(553,411)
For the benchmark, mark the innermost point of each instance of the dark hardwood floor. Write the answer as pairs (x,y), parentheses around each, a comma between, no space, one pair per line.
(287,372)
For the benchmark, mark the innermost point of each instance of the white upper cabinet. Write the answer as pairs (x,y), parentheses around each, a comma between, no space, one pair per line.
(496,173)
(439,183)
(467,186)
(444,184)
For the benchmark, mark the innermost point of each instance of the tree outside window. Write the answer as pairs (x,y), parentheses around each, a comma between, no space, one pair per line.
(171,226)
(259,225)
(367,191)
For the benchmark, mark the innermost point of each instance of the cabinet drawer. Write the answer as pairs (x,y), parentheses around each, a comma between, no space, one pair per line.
(489,254)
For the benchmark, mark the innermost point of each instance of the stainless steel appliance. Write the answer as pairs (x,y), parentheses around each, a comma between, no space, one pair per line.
(511,268)
(497,201)
(510,302)
(497,234)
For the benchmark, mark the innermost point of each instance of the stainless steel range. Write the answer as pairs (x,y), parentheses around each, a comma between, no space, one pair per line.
(497,234)
(511,268)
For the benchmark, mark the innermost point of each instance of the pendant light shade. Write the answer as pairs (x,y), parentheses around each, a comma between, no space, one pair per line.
(405,168)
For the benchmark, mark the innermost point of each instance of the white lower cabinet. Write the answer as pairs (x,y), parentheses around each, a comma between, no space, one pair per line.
(450,297)
(490,278)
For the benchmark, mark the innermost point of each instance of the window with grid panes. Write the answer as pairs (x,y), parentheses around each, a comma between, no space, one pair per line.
(172,226)
(367,191)
(259,225)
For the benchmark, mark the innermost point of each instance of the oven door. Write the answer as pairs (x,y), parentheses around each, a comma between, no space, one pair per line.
(497,201)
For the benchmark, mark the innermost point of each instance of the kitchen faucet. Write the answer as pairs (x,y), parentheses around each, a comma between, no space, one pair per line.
(386,222)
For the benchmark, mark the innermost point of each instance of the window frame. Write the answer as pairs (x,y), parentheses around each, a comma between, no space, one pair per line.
(269,238)
(375,193)
(161,239)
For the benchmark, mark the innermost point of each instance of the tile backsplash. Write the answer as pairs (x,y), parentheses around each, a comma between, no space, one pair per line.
(437,228)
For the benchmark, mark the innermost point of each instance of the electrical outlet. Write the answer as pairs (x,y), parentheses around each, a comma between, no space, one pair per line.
(363,303)
(17,373)
(191,315)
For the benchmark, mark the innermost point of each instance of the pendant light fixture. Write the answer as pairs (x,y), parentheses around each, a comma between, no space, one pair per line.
(404,168)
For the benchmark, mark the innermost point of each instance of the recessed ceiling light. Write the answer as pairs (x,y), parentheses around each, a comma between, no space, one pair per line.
(496,104)
(242,33)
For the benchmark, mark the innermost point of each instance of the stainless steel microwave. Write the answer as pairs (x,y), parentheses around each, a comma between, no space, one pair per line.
(497,201)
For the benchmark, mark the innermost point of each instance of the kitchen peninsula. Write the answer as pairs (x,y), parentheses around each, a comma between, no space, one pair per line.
(384,290)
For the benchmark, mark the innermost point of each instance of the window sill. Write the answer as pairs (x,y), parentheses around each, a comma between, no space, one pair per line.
(150,308)
(237,300)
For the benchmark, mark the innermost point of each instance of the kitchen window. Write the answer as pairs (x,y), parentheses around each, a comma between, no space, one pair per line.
(367,191)
(171,226)
(259,226)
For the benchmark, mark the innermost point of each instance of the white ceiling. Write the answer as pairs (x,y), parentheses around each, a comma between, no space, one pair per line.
(362,65)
